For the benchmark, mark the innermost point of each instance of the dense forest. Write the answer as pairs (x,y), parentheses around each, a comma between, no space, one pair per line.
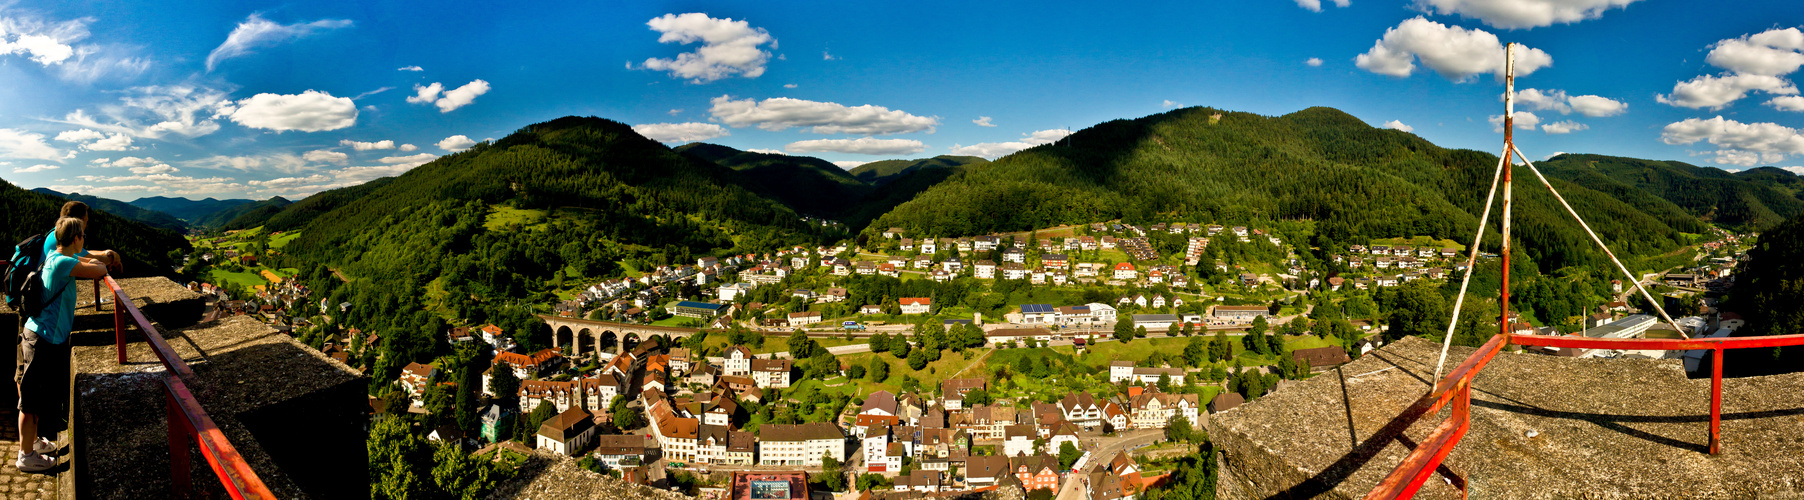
(1355,181)
(1752,200)
(148,251)
(878,173)
(812,186)
(252,213)
(186,209)
(300,213)
(1766,294)
(149,217)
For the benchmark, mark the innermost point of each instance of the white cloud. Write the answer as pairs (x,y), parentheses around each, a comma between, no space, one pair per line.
(43,42)
(411,160)
(161,183)
(825,117)
(728,47)
(366,146)
(26,145)
(256,32)
(1735,140)
(675,111)
(1313,61)
(156,112)
(1398,125)
(1773,52)
(993,150)
(456,143)
(769,151)
(35,169)
(125,162)
(287,163)
(1787,103)
(849,164)
(1168,104)
(325,156)
(1310,5)
(862,145)
(410,68)
(80,135)
(790,85)
(1740,158)
(91,140)
(1514,14)
(1564,127)
(160,168)
(408,148)
(1557,100)
(1714,92)
(983,121)
(1454,52)
(452,99)
(310,111)
(827,56)
(344,177)
(1595,106)
(1524,121)
(680,132)
(116,142)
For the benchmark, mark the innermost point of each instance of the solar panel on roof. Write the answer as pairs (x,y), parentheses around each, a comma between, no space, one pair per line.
(1036,308)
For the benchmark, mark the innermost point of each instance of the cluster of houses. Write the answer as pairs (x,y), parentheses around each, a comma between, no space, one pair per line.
(1394,265)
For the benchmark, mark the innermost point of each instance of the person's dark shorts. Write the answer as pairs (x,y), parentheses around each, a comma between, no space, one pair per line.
(42,375)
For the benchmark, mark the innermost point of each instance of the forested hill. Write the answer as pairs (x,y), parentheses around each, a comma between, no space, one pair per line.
(1356,181)
(186,209)
(147,250)
(244,216)
(300,213)
(149,217)
(816,187)
(808,185)
(883,172)
(573,197)
(1751,200)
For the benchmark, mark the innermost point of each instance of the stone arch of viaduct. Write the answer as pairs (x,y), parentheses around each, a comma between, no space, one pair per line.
(582,336)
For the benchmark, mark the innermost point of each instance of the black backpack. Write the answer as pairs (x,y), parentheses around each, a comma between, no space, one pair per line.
(24,278)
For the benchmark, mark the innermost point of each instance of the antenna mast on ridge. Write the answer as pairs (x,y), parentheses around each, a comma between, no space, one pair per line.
(1504,165)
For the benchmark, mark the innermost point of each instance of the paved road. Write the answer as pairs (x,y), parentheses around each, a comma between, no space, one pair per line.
(1103,449)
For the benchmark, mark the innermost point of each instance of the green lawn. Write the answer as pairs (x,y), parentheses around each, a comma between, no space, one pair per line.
(930,375)
(247,279)
(1421,241)
(282,240)
(678,321)
(501,217)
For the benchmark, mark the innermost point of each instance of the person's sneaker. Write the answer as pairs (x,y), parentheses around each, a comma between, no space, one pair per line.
(34,462)
(44,446)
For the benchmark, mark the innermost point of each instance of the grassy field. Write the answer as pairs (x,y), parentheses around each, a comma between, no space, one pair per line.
(247,279)
(502,217)
(678,321)
(930,376)
(1421,241)
(776,343)
(282,240)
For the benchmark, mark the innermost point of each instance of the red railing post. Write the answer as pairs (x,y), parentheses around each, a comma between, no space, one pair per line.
(180,484)
(118,327)
(1716,399)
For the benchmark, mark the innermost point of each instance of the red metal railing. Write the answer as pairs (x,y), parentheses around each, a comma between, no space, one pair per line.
(1457,386)
(188,422)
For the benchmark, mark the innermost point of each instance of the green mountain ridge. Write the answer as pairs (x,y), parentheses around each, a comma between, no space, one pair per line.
(149,217)
(816,187)
(245,216)
(186,209)
(148,251)
(1752,200)
(1357,183)
(884,171)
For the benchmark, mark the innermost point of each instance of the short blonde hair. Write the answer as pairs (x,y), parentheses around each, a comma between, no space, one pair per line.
(67,229)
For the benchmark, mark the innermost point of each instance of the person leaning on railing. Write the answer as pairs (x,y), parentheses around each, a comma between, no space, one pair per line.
(43,371)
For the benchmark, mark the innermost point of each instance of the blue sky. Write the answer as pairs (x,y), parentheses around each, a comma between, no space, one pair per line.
(256,99)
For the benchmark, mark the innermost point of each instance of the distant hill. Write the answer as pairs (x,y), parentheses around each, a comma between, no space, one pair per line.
(1355,181)
(186,209)
(245,216)
(146,248)
(816,187)
(302,212)
(808,185)
(1751,200)
(150,217)
(883,172)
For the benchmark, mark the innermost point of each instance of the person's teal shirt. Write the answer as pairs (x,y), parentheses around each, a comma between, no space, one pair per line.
(50,246)
(53,323)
